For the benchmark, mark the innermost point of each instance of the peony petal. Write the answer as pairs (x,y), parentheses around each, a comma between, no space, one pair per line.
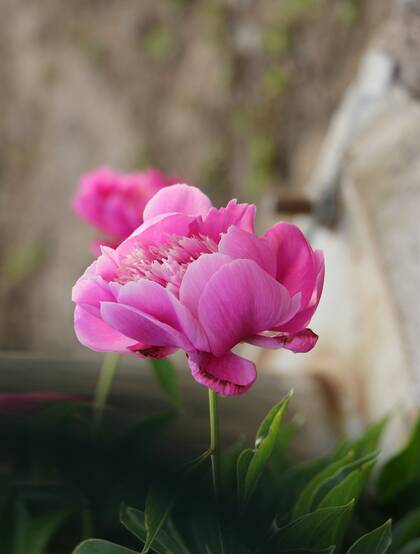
(87,201)
(179,198)
(240,244)
(303,341)
(153,299)
(157,231)
(239,301)
(228,375)
(303,318)
(107,263)
(219,220)
(296,268)
(114,201)
(96,245)
(197,276)
(97,335)
(142,327)
(91,291)
(113,218)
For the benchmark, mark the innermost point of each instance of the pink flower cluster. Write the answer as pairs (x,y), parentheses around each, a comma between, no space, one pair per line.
(197,278)
(113,202)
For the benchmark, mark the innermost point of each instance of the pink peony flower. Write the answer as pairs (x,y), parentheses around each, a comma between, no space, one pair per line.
(114,202)
(198,278)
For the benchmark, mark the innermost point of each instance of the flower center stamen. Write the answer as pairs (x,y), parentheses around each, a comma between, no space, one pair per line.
(165,263)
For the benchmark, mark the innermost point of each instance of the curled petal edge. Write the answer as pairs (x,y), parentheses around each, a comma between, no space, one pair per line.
(141,350)
(228,375)
(300,342)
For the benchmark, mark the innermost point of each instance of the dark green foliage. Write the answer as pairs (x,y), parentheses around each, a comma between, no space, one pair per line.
(407,529)
(270,505)
(136,522)
(70,486)
(60,486)
(400,477)
(96,546)
(377,541)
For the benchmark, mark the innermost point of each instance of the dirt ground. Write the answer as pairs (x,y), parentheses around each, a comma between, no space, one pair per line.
(231,95)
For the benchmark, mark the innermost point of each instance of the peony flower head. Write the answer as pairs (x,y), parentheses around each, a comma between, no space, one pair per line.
(113,202)
(197,278)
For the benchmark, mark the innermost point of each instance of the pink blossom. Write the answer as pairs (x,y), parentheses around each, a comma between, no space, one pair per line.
(197,278)
(113,202)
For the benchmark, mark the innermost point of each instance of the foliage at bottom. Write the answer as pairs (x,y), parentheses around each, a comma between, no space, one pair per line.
(267,504)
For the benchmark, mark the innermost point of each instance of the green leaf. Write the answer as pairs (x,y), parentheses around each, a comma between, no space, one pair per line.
(320,529)
(413,547)
(407,529)
(349,488)
(266,438)
(186,469)
(228,464)
(290,484)
(341,474)
(134,521)
(161,498)
(264,428)
(167,376)
(375,542)
(41,530)
(159,503)
(98,546)
(327,480)
(242,466)
(33,534)
(330,550)
(307,496)
(203,528)
(402,469)
(366,443)
(280,459)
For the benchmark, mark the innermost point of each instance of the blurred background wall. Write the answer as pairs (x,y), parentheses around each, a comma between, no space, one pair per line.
(232,95)
(364,199)
(310,108)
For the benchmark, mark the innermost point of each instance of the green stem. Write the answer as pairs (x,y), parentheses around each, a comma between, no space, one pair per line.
(215,458)
(103,388)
